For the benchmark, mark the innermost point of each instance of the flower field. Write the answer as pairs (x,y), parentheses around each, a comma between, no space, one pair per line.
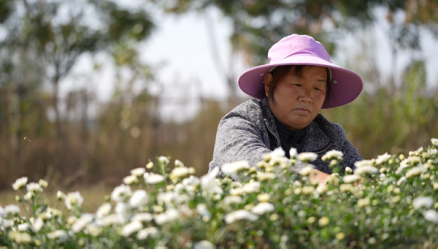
(388,201)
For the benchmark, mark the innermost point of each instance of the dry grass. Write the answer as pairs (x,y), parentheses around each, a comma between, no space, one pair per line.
(94,196)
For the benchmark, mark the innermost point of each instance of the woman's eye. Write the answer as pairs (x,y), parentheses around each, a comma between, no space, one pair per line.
(318,89)
(297,84)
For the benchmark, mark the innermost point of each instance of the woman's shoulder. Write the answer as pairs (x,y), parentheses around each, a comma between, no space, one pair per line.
(250,109)
(333,130)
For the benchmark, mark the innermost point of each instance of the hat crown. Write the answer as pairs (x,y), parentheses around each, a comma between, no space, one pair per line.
(297,45)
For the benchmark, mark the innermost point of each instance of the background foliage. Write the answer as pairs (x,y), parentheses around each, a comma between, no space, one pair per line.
(79,140)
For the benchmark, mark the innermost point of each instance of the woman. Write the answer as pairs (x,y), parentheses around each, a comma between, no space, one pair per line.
(298,82)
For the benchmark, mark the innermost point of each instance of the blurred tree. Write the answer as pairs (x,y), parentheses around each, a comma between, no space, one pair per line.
(56,33)
(40,42)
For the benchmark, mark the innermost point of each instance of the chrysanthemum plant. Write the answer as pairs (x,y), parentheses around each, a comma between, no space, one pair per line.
(387,201)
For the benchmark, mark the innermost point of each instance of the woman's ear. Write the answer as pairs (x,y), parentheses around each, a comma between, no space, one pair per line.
(268,82)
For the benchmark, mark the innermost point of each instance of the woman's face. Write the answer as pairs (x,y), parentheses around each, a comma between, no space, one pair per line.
(298,99)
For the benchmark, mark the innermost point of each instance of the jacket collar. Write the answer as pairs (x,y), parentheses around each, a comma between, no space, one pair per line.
(315,139)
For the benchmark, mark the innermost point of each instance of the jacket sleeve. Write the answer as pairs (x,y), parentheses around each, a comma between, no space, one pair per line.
(351,154)
(238,138)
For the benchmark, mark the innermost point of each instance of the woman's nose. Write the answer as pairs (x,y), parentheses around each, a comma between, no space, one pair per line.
(305,95)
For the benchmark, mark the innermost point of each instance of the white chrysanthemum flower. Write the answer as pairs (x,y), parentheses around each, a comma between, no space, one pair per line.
(265,176)
(121,193)
(348,170)
(263,207)
(12,209)
(178,188)
(180,172)
(168,216)
(422,201)
(235,167)
(23,227)
(431,215)
(54,212)
(383,158)
(34,187)
(293,153)
(251,187)
(178,163)
(138,172)
(19,183)
(346,188)
(71,220)
(163,159)
(237,191)
(333,154)
(6,223)
(209,183)
(37,224)
(28,196)
(73,200)
(306,170)
(307,156)
(205,244)
(403,164)
(143,217)
(43,183)
(282,161)
(191,181)
(124,211)
(93,230)
(308,190)
(235,199)
(154,178)
(167,197)
(432,151)
(149,165)
(80,223)
(351,178)
(324,221)
(434,141)
(363,202)
(103,210)
(263,197)
(184,210)
(20,238)
(129,180)
(413,160)
(2,212)
(60,196)
(112,219)
(415,171)
(61,235)
(365,170)
(147,232)
(401,180)
(362,163)
(202,210)
(139,198)
(240,215)
(131,228)
(278,152)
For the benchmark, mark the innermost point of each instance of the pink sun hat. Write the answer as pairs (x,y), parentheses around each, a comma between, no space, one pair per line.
(345,85)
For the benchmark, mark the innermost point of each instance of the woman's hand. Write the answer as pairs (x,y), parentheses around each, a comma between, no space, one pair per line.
(319,177)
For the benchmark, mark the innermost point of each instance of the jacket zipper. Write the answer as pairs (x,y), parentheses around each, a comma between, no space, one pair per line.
(272,133)
(323,149)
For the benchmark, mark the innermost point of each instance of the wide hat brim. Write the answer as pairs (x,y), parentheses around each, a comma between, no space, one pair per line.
(345,85)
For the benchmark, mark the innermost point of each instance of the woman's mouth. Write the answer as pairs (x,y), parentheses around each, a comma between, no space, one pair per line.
(302,111)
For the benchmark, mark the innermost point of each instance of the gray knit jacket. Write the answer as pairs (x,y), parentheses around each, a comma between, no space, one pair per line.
(248,132)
